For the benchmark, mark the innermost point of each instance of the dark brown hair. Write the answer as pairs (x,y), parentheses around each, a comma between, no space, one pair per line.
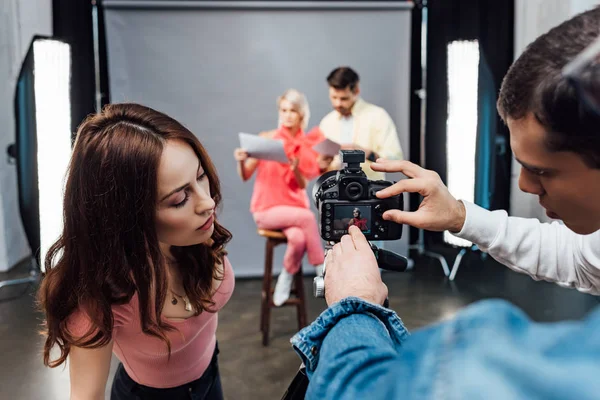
(109,248)
(534,84)
(342,78)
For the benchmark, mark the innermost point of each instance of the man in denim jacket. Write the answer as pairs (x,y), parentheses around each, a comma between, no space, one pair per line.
(358,349)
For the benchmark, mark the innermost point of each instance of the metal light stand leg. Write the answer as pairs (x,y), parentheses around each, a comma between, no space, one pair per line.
(460,256)
(33,277)
(420,248)
(457,261)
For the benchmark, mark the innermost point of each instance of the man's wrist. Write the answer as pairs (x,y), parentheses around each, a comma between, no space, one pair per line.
(461,215)
(356,296)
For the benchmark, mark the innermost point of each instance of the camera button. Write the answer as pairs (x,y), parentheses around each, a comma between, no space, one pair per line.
(380,208)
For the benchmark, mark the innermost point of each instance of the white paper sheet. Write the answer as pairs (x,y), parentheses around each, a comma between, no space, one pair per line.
(263,148)
(327,147)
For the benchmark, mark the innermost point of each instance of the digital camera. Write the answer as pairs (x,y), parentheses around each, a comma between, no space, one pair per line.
(347,197)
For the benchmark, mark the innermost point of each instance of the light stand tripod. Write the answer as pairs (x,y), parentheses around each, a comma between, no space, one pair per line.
(419,246)
(33,277)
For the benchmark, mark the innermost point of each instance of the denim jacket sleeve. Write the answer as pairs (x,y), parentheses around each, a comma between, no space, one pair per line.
(491,350)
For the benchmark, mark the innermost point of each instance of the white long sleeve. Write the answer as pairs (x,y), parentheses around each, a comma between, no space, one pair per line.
(550,252)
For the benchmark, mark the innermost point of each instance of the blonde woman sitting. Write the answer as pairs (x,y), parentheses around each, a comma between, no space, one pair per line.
(279,200)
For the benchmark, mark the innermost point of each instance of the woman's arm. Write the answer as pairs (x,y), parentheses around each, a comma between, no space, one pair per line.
(297,174)
(246,165)
(88,371)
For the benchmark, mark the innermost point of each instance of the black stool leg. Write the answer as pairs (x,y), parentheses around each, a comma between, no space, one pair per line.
(301,305)
(266,292)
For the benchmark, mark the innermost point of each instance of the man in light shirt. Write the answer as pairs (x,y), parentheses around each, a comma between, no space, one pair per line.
(358,125)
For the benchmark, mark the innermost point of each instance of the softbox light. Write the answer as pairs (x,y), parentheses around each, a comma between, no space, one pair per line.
(42,147)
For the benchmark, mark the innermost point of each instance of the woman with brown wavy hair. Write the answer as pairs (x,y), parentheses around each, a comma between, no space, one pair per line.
(140,268)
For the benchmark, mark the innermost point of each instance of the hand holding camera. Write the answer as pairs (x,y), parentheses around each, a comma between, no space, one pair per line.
(347,203)
(352,270)
(439,210)
(347,197)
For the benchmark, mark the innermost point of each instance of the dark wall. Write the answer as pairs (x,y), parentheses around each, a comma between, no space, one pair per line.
(415,101)
(73,22)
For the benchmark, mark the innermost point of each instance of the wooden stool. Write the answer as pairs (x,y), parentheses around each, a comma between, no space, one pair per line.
(275,238)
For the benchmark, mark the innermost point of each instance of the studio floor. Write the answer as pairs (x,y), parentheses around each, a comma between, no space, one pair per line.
(251,371)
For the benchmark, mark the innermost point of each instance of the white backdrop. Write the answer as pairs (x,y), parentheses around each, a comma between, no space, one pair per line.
(219,66)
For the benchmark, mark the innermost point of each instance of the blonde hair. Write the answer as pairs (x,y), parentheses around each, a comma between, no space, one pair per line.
(298,100)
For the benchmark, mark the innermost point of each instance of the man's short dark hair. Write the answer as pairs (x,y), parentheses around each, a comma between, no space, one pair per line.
(534,84)
(342,78)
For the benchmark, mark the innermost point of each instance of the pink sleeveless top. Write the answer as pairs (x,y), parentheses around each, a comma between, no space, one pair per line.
(275,183)
(145,357)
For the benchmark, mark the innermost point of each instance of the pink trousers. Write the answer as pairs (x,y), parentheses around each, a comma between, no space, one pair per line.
(300,228)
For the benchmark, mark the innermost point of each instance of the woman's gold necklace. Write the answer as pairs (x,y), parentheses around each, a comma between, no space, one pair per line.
(186,301)
(188,305)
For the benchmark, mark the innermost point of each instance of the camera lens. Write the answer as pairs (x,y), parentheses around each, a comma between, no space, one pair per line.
(354,191)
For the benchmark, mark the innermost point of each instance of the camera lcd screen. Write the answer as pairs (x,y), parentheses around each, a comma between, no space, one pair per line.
(346,215)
